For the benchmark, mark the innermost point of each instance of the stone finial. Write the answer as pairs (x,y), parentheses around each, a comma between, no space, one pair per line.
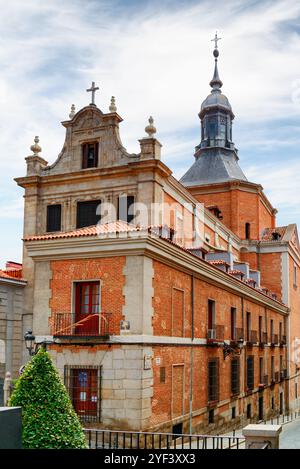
(36,147)
(72,113)
(113,107)
(150,129)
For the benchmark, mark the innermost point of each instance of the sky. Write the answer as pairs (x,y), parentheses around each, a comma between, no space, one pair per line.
(156,58)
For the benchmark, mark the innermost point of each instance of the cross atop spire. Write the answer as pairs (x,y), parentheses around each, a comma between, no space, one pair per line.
(93,90)
(216,39)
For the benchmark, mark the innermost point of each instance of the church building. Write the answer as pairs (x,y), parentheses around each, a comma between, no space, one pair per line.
(166,305)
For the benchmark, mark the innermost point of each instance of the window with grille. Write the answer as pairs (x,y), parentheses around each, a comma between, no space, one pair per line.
(88,213)
(83,384)
(235,376)
(213,380)
(54,218)
(90,155)
(250,373)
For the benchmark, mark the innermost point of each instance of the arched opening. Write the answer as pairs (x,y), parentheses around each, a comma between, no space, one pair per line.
(247,231)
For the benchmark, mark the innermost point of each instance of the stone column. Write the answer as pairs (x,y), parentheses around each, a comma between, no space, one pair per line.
(258,435)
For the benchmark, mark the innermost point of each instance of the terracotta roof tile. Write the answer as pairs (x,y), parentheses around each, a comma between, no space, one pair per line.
(236,272)
(11,275)
(113,227)
(218,262)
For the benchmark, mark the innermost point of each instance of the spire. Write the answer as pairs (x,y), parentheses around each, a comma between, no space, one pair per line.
(216,82)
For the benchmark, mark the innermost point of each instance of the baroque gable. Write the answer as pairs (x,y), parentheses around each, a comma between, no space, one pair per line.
(90,124)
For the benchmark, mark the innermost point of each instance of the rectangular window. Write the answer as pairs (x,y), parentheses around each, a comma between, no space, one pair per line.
(272,368)
(211,416)
(126,208)
(162,374)
(272,403)
(249,412)
(260,328)
(272,330)
(233,412)
(280,331)
(213,380)
(90,155)
(54,218)
(235,376)
(250,373)
(261,370)
(83,384)
(248,331)
(88,213)
(295,275)
(211,313)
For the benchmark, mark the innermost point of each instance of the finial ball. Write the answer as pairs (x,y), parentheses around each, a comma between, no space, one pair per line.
(216,53)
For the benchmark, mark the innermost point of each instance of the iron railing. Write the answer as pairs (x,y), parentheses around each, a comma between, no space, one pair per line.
(282,340)
(252,337)
(111,439)
(274,339)
(93,325)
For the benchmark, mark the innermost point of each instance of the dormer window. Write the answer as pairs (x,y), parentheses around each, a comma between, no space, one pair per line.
(90,155)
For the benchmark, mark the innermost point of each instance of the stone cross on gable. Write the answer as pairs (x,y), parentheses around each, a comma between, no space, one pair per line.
(93,90)
(215,40)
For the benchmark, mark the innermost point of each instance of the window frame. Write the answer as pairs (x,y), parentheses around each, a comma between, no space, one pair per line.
(50,208)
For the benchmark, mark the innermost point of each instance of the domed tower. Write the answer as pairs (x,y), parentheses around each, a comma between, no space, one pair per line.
(216,178)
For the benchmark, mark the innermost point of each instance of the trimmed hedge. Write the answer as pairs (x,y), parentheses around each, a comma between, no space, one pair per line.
(48,418)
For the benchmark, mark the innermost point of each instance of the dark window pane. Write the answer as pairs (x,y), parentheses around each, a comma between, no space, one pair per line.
(213,380)
(235,376)
(250,373)
(54,218)
(87,213)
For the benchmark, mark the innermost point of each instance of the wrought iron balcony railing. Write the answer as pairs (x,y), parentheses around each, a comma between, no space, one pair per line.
(274,339)
(93,325)
(252,337)
(282,340)
(263,338)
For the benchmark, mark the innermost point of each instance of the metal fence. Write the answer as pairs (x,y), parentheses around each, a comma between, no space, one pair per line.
(110,439)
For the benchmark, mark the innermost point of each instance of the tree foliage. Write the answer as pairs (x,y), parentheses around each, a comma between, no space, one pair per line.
(48,418)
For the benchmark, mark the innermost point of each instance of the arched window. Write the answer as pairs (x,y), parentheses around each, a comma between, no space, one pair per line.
(247,231)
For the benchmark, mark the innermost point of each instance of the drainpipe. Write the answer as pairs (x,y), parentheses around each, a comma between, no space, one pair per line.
(192,355)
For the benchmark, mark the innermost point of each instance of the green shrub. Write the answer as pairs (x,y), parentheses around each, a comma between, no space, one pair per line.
(48,418)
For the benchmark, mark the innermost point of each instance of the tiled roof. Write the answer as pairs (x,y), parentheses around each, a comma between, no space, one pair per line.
(95,230)
(11,275)
(268,233)
(236,272)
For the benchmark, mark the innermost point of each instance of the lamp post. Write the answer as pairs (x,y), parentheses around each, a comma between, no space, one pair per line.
(236,350)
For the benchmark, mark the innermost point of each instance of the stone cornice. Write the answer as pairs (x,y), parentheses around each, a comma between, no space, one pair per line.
(13,281)
(95,173)
(155,248)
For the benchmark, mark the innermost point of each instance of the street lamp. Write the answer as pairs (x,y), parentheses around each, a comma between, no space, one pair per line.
(30,343)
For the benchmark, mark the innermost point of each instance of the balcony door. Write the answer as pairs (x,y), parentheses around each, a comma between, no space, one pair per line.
(87,308)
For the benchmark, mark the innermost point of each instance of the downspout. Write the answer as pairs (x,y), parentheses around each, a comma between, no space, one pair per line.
(192,355)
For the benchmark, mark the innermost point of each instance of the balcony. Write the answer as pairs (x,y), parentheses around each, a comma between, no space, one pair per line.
(252,337)
(93,326)
(263,339)
(215,335)
(237,336)
(283,374)
(264,382)
(274,340)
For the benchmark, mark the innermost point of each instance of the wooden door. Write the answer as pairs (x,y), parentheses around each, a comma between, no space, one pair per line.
(87,305)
